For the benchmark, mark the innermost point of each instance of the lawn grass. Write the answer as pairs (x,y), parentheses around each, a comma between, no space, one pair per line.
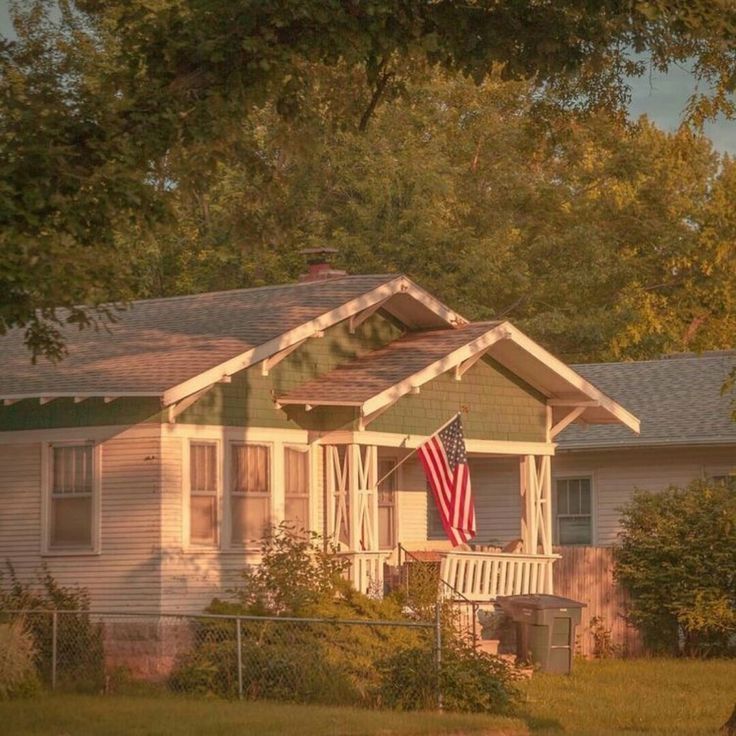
(654,696)
(646,696)
(84,715)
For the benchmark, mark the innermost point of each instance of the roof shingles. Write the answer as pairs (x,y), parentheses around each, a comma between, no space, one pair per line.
(158,343)
(677,399)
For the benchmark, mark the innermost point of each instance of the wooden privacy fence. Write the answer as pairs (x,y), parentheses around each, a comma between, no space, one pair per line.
(585,574)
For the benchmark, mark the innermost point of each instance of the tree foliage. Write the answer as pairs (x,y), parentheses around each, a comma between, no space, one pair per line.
(603,239)
(677,558)
(97,106)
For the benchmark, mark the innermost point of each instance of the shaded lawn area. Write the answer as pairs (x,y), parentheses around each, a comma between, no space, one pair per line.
(86,715)
(644,696)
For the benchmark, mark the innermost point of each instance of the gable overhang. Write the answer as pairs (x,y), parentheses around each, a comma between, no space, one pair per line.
(569,396)
(566,391)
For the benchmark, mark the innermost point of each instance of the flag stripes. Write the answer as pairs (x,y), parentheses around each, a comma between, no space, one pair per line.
(445,465)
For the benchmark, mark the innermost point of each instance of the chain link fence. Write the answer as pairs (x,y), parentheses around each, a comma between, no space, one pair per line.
(314,660)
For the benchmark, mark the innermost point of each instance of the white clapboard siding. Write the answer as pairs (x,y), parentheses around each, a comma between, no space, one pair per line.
(125,574)
(616,474)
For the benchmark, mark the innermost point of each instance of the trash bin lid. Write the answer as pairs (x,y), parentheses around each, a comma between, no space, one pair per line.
(541,602)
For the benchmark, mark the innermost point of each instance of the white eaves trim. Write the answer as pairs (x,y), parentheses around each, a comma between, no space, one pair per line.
(574,379)
(449,361)
(401,284)
(47,396)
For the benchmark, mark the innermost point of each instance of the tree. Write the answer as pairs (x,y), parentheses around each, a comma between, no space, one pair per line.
(117,88)
(601,238)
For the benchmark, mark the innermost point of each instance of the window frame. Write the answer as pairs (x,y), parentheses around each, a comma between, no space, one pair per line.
(556,531)
(47,482)
(187,494)
(227,519)
(306,449)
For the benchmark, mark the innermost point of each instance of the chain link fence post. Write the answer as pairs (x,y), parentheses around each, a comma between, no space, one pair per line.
(239,637)
(438,652)
(54,646)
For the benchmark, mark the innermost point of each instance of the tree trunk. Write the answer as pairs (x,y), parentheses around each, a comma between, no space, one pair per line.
(729,727)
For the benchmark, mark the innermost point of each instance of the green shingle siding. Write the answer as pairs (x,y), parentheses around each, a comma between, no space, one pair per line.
(499,406)
(248,399)
(30,414)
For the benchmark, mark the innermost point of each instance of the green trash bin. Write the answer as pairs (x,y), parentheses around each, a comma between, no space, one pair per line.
(545,629)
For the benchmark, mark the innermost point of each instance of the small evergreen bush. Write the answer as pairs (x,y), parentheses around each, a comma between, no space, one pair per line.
(677,559)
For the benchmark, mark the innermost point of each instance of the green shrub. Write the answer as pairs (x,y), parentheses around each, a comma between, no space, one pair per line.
(79,654)
(470,681)
(677,559)
(326,662)
(18,676)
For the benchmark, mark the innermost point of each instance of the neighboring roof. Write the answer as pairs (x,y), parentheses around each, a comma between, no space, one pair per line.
(354,383)
(678,400)
(158,345)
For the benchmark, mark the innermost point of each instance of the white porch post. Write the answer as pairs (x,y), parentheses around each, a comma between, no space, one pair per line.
(352,509)
(535,486)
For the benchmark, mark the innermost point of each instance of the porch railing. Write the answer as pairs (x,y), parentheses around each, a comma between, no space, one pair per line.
(365,571)
(483,576)
(421,576)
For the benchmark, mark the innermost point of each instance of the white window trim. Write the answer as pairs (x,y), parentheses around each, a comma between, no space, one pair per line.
(399,473)
(47,458)
(593,507)
(275,468)
(186,494)
(280,512)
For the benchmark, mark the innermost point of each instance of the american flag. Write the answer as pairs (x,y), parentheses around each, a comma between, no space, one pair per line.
(446,467)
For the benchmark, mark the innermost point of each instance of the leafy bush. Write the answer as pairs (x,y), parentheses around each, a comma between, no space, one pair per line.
(18,676)
(677,559)
(80,654)
(324,661)
(470,681)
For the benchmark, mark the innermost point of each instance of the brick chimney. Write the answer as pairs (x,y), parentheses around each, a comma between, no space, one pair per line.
(318,265)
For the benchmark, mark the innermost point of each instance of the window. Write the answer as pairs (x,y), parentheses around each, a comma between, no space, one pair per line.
(296,487)
(72,508)
(574,518)
(727,480)
(387,503)
(250,493)
(203,493)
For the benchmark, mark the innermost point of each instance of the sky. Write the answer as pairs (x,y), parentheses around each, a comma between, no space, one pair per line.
(662,97)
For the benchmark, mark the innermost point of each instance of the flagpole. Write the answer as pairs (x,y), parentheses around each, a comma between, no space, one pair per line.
(406,457)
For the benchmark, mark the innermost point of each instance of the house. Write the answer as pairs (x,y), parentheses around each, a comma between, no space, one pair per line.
(146,465)
(687,432)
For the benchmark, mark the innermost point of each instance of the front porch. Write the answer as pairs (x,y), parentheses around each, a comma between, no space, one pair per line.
(356,515)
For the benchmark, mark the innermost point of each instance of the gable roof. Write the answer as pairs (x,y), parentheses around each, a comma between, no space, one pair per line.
(678,400)
(177,348)
(172,347)
(377,380)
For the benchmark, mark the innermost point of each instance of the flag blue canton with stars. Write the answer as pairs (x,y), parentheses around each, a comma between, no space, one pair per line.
(453,440)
